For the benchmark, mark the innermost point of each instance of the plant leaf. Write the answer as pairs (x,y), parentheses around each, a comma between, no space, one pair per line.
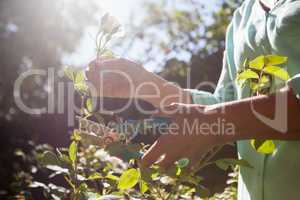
(36,184)
(263,146)
(143,187)
(254,86)
(108,55)
(79,77)
(275,59)
(112,177)
(81,87)
(230,162)
(128,179)
(89,104)
(178,172)
(182,163)
(257,63)
(264,79)
(247,74)
(202,191)
(76,136)
(72,151)
(58,169)
(69,72)
(48,158)
(65,161)
(277,71)
(259,86)
(147,173)
(95,176)
(94,196)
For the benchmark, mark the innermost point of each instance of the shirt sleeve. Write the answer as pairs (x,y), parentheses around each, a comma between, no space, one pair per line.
(294,83)
(288,29)
(225,89)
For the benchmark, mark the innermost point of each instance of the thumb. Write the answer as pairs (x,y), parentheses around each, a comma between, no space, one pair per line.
(166,111)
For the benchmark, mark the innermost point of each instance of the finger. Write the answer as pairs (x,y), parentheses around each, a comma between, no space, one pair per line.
(119,63)
(94,64)
(91,70)
(97,64)
(175,108)
(160,114)
(165,111)
(153,154)
(190,108)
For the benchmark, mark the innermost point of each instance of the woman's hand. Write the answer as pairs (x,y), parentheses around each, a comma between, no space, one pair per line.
(197,132)
(116,77)
(121,78)
(188,136)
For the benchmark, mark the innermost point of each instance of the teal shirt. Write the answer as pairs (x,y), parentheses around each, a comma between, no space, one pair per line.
(254,32)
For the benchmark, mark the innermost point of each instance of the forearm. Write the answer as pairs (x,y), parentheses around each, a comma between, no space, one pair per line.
(249,126)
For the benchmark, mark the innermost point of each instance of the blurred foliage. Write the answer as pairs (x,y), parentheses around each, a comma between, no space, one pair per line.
(183,35)
(34,34)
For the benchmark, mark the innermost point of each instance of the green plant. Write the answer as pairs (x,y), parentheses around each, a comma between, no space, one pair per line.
(105,163)
(263,75)
(109,27)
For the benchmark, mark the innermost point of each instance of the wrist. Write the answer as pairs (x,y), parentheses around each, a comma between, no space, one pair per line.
(172,93)
(162,93)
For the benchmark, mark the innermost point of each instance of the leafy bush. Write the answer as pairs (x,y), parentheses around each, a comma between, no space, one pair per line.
(101,164)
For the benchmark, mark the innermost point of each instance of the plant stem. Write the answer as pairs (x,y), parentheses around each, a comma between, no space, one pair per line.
(98,44)
(203,163)
(77,144)
(75,166)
